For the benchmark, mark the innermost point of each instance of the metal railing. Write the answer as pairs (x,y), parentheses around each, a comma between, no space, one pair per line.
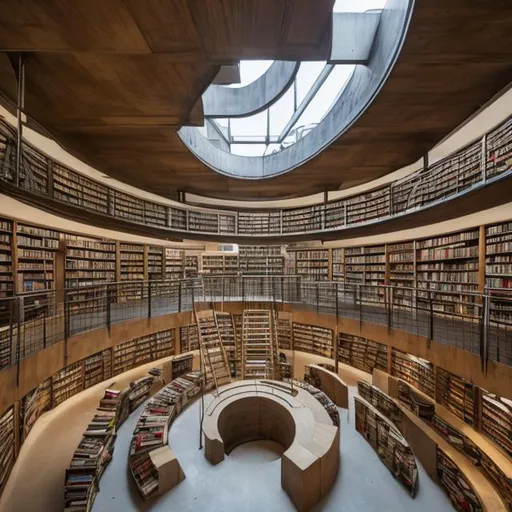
(478,323)
(472,167)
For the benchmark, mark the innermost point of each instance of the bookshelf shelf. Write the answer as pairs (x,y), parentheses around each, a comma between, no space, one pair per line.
(132,268)
(312,265)
(361,353)
(313,339)
(188,338)
(416,371)
(174,264)
(261,260)
(338,265)
(33,405)
(497,421)
(6,268)
(7,445)
(457,395)
(229,340)
(67,382)
(284,331)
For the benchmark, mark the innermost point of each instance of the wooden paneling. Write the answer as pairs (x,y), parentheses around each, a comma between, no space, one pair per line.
(454,60)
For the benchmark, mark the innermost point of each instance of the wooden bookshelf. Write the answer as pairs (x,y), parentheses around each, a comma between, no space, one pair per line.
(155,263)
(313,339)
(416,371)
(164,344)
(284,331)
(254,223)
(312,265)
(132,268)
(380,400)
(303,219)
(261,260)
(367,265)
(33,405)
(174,264)
(385,438)
(97,368)
(188,338)
(89,261)
(498,270)
(457,395)
(497,421)
(6,270)
(67,382)
(338,265)
(7,445)
(35,268)
(219,263)
(401,260)
(447,266)
(191,266)
(139,391)
(361,353)
(229,340)
(203,222)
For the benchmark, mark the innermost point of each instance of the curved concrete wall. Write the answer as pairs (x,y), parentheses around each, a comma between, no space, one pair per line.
(362,88)
(219,101)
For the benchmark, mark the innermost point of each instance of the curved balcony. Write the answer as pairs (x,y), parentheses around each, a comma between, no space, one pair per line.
(476,167)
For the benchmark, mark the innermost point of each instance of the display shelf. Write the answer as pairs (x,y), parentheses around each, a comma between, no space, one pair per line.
(414,370)
(7,445)
(139,391)
(67,382)
(116,403)
(391,447)
(188,338)
(33,405)
(313,339)
(174,264)
(402,272)
(155,265)
(456,485)
(36,258)
(457,395)
(497,421)
(338,265)
(362,353)
(446,268)
(312,265)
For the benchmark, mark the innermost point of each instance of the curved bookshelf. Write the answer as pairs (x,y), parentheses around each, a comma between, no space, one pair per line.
(45,181)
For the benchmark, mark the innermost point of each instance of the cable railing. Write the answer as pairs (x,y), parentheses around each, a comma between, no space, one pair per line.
(475,166)
(472,322)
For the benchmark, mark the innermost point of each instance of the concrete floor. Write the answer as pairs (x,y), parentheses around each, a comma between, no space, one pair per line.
(249,478)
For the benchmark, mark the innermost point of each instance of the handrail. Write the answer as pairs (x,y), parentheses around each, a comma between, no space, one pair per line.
(474,166)
(470,321)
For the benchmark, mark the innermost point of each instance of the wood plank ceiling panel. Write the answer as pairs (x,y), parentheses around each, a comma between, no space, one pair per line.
(119,112)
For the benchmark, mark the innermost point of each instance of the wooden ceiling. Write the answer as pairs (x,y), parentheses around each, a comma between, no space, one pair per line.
(113,81)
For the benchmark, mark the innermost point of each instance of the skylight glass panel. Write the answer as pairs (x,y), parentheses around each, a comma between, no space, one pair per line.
(251,70)
(308,73)
(281,112)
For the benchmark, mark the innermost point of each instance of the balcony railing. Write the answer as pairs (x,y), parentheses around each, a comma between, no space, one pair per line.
(474,323)
(473,167)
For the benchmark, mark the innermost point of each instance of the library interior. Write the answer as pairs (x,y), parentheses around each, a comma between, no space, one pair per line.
(255,255)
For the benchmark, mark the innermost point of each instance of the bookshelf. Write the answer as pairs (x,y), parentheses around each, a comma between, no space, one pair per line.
(361,353)
(5,347)
(139,392)
(417,402)
(312,265)
(7,445)
(33,405)
(97,368)
(203,222)
(303,219)
(367,265)
(338,265)
(181,365)
(380,400)
(155,214)
(155,263)
(219,263)
(313,339)
(365,207)
(89,261)
(402,272)
(498,269)
(191,266)
(123,356)
(456,485)
(132,268)
(71,187)
(173,264)
(457,395)
(261,259)
(387,441)
(229,340)
(67,382)
(447,266)
(188,338)
(6,268)
(416,371)
(497,421)
(164,344)
(177,219)
(36,249)
(128,207)
(256,223)
(284,331)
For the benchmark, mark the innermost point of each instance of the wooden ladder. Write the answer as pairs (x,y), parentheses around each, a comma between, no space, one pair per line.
(229,339)
(259,345)
(212,351)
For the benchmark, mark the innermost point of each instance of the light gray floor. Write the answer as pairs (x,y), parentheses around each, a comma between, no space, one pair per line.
(249,478)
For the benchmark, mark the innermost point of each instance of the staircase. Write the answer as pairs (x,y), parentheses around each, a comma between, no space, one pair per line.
(212,351)
(260,358)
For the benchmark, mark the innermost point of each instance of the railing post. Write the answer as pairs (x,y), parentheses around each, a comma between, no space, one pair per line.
(484,340)
(317,298)
(360,307)
(391,199)
(282,289)
(179,295)
(109,308)
(431,319)
(243,289)
(389,298)
(222,292)
(336,348)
